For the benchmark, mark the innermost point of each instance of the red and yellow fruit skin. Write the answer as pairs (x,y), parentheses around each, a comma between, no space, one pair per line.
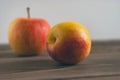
(28,36)
(68,43)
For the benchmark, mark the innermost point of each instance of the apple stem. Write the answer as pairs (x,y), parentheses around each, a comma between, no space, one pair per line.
(28,12)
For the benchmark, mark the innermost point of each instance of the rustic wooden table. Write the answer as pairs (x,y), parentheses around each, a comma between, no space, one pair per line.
(102,64)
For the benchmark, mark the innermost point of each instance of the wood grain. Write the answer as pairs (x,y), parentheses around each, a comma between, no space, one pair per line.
(102,64)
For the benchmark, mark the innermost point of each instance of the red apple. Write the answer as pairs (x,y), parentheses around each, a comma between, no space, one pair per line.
(68,43)
(27,36)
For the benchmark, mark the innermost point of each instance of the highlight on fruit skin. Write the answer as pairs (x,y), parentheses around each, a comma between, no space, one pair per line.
(27,36)
(68,43)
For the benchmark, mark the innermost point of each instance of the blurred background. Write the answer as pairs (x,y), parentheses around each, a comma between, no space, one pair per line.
(101,17)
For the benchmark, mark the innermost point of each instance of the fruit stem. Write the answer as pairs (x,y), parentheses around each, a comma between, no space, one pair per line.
(28,12)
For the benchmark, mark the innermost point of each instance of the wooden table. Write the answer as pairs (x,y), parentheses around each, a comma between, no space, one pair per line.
(102,64)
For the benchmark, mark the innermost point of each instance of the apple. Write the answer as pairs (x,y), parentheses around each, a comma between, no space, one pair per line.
(27,36)
(68,43)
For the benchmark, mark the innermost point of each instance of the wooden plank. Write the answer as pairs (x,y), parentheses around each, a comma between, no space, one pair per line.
(102,64)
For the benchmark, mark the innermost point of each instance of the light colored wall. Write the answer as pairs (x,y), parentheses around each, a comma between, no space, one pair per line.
(101,17)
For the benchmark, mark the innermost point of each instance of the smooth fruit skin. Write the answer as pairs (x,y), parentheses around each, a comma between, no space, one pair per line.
(28,36)
(68,43)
